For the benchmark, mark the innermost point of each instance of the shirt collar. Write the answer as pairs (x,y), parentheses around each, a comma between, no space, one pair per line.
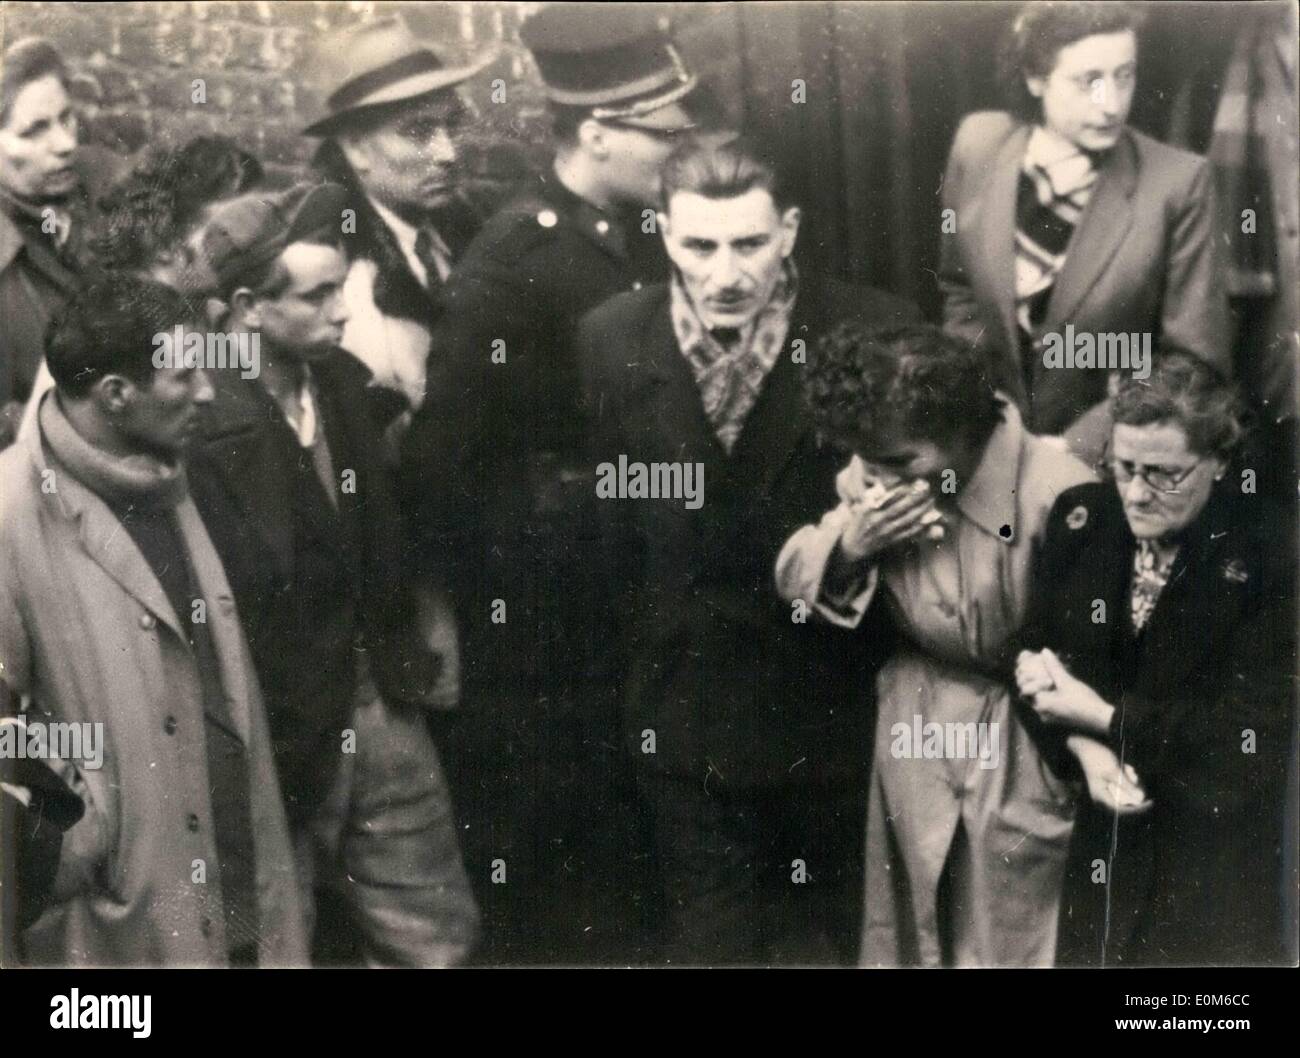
(406,234)
(405,231)
(990,499)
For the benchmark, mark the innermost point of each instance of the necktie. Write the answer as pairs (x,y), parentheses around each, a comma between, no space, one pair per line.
(426,250)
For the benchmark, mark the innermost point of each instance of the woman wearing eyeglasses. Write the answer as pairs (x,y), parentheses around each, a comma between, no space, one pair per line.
(1159,671)
(1064,214)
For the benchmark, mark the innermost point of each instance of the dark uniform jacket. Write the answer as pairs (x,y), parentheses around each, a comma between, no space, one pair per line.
(313,584)
(1195,880)
(737,690)
(494,471)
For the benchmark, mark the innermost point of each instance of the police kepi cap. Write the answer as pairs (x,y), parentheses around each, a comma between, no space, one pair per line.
(617,60)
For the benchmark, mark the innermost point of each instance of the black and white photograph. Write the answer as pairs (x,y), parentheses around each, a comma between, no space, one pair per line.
(649,485)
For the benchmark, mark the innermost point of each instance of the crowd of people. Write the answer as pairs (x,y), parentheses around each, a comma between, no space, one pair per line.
(957,656)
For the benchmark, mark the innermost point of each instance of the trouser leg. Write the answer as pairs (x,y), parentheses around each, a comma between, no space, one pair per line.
(406,881)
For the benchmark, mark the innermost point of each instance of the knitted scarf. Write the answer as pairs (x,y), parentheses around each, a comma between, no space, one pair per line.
(730,380)
(140,480)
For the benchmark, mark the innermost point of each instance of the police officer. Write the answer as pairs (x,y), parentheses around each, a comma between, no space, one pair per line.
(498,485)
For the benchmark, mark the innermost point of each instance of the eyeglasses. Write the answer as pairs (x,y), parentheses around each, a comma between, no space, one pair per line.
(1161,479)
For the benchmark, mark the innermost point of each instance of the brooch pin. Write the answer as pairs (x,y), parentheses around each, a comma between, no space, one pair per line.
(1077,518)
(1235,571)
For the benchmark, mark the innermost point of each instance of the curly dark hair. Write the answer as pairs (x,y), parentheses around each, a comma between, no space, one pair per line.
(155,205)
(108,328)
(911,380)
(1039,32)
(1183,389)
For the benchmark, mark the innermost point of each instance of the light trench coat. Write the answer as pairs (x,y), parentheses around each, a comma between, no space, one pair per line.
(87,632)
(958,603)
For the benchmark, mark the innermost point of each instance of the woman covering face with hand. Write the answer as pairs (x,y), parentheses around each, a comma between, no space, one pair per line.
(1161,662)
(943,503)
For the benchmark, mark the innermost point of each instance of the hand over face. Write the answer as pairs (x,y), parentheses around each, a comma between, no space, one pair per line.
(888,516)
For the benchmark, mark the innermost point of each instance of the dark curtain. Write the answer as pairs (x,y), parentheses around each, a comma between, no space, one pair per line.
(885,87)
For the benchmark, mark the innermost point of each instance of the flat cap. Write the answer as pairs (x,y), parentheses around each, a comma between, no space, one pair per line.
(247,232)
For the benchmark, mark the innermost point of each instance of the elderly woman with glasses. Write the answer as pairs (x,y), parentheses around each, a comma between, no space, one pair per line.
(944,502)
(1161,662)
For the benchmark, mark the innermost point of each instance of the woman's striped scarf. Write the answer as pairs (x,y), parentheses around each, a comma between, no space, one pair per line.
(1056,181)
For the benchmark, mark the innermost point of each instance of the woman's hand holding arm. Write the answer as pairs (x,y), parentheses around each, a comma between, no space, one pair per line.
(1110,784)
(1068,702)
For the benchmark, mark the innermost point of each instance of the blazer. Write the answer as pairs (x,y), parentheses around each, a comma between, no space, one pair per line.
(740,688)
(313,582)
(88,632)
(1143,259)
(1204,703)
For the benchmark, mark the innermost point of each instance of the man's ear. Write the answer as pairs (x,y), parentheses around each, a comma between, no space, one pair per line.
(358,157)
(170,257)
(592,138)
(790,229)
(112,394)
(245,307)
(1035,86)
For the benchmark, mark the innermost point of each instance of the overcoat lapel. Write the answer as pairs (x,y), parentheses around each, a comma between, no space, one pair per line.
(772,429)
(997,246)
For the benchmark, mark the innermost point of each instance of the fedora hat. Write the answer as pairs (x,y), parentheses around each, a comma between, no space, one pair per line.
(376,62)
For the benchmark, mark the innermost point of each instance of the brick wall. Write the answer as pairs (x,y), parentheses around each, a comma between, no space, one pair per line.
(135,65)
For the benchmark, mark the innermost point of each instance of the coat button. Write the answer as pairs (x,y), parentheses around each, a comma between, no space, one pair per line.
(547,218)
(206,926)
(192,821)
(169,725)
(147,621)
(637,285)
(602,227)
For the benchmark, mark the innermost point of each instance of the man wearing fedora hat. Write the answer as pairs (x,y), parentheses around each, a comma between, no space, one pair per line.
(498,488)
(391,110)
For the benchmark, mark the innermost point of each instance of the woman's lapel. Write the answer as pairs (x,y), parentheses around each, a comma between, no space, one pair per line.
(1105,221)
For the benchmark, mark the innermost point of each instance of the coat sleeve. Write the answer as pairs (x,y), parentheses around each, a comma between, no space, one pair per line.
(805,570)
(1223,742)
(1195,313)
(1053,555)
(961,310)
(619,547)
(453,434)
(83,850)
